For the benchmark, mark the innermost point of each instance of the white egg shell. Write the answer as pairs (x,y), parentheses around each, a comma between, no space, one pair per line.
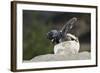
(67,47)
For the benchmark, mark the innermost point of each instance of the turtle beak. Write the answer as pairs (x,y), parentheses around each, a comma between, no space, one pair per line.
(52,40)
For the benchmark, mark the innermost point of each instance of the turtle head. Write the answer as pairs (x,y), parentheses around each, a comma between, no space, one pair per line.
(54,36)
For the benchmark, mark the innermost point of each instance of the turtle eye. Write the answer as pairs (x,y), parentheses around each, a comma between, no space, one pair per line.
(49,35)
(72,39)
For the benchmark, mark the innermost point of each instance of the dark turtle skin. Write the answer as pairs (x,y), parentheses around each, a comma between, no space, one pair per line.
(59,36)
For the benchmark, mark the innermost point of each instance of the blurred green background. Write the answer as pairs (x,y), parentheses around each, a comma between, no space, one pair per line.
(37,23)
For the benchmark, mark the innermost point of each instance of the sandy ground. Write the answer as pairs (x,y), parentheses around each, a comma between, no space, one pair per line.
(52,57)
